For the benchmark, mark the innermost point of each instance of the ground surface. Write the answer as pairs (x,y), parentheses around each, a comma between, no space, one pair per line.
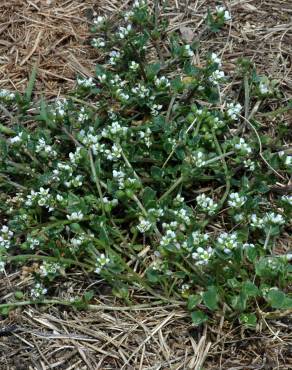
(54,35)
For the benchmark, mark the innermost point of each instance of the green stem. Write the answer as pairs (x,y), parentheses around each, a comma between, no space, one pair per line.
(170,190)
(36,257)
(96,180)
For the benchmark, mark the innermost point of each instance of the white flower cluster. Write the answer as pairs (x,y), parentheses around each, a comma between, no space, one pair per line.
(114,57)
(199,159)
(114,153)
(187,51)
(221,10)
(264,88)
(269,219)
(161,82)
(287,199)
(38,291)
(100,20)
(233,109)
(43,147)
(206,204)
(82,115)
(77,241)
(119,176)
(202,256)
(5,237)
(243,147)
(32,242)
(288,161)
(139,3)
(60,107)
(6,95)
(146,137)
(182,216)
(169,238)
(2,266)
(75,157)
(113,130)
(217,76)
(215,59)
(236,200)
(101,262)
(249,164)
(75,216)
(141,91)
(42,197)
(85,82)
(91,141)
(49,268)
(133,66)
(155,108)
(66,172)
(199,238)
(98,42)
(144,225)
(123,32)
(227,242)
(18,139)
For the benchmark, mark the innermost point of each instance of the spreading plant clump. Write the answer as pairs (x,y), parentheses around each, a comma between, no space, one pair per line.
(152,176)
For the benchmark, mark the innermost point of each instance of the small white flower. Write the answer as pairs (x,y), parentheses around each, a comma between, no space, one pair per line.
(248,163)
(133,66)
(236,201)
(85,82)
(227,242)
(161,82)
(75,216)
(233,109)
(264,89)
(215,59)
(38,291)
(287,199)
(199,159)
(16,139)
(98,21)
(144,225)
(243,147)
(101,262)
(274,218)
(202,256)
(124,31)
(206,204)
(114,57)
(217,76)
(222,10)
(2,266)
(98,43)
(188,51)
(6,95)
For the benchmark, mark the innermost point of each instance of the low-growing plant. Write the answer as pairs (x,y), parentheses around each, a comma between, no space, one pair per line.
(153,175)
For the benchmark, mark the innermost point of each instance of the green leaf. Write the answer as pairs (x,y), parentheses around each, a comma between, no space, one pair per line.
(248,319)
(250,289)
(31,82)
(210,298)
(156,172)
(276,298)
(251,254)
(193,301)
(198,317)
(87,296)
(149,197)
(287,304)
(152,70)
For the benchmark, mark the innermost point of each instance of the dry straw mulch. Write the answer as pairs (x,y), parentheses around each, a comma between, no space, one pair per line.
(54,36)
